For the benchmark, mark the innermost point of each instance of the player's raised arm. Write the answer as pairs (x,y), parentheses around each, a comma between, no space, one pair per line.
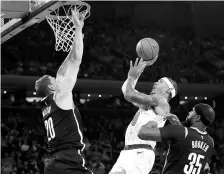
(68,71)
(128,88)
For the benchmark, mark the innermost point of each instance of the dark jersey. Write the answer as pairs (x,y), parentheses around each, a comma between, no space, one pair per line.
(63,127)
(189,149)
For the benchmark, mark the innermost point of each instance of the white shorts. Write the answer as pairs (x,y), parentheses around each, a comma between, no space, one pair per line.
(136,161)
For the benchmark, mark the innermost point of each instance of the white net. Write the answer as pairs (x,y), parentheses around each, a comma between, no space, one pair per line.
(2,20)
(62,24)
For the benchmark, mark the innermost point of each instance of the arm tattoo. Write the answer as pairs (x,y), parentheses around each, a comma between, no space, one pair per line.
(133,95)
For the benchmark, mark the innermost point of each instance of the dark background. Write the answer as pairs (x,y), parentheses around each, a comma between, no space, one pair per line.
(191,39)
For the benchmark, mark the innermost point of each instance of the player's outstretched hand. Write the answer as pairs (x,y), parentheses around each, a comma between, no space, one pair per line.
(151,62)
(77,18)
(173,119)
(136,69)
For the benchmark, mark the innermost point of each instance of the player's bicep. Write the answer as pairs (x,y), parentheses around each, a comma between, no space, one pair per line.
(173,132)
(67,75)
(137,105)
(66,82)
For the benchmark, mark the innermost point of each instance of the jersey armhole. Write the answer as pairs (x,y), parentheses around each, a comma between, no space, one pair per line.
(186,132)
(212,141)
(64,100)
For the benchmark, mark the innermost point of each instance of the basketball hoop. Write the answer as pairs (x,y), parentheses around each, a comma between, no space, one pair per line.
(2,20)
(62,24)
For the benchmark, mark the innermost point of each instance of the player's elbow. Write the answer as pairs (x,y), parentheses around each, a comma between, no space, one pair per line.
(128,96)
(123,89)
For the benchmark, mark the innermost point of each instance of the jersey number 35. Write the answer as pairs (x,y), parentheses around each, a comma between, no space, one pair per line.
(194,166)
(50,128)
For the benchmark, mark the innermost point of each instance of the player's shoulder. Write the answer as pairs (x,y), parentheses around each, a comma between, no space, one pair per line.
(183,131)
(162,103)
(210,139)
(64,99)
(62,94)
(160,100)
(47,100)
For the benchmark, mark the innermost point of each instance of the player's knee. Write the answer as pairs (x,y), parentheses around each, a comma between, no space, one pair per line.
(118,171)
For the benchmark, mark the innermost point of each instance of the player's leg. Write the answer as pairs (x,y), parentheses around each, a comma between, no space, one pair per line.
(119,167)
(77,162)
(118,171)
(52,166)
(60,167)
(139,161)
(144,161)
(66,162)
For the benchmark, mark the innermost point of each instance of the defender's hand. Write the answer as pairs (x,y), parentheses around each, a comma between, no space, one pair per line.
(136,69)
(173,119)
(77,19)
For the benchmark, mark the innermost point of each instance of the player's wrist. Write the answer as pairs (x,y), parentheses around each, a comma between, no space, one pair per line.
(132,78)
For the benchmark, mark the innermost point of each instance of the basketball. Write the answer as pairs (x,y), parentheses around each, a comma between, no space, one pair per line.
(147,49)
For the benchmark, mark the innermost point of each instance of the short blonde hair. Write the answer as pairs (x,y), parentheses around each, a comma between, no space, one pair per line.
(42,86)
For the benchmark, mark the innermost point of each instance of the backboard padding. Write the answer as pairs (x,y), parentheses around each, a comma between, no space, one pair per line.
(14,6)
(15,26)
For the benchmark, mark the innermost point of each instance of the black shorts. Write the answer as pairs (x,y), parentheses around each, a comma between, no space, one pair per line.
(68,161)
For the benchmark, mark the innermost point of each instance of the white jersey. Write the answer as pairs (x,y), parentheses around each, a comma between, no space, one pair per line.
(141,118)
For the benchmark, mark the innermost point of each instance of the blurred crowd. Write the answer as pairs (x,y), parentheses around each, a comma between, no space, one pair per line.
(110,45)
(24,141)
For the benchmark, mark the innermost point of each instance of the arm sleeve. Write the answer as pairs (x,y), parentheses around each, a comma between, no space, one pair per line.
(173,132)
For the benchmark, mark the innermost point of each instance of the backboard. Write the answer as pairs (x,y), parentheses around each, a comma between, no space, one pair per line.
(18,15)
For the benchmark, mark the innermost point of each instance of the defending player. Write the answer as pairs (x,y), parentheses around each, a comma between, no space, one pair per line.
(190,148)
(138,156)
(61,117)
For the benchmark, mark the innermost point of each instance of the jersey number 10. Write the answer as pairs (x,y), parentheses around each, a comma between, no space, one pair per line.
(194,166)
(50,128)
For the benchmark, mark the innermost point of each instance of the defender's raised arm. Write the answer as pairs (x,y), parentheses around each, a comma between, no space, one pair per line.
(68,71)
